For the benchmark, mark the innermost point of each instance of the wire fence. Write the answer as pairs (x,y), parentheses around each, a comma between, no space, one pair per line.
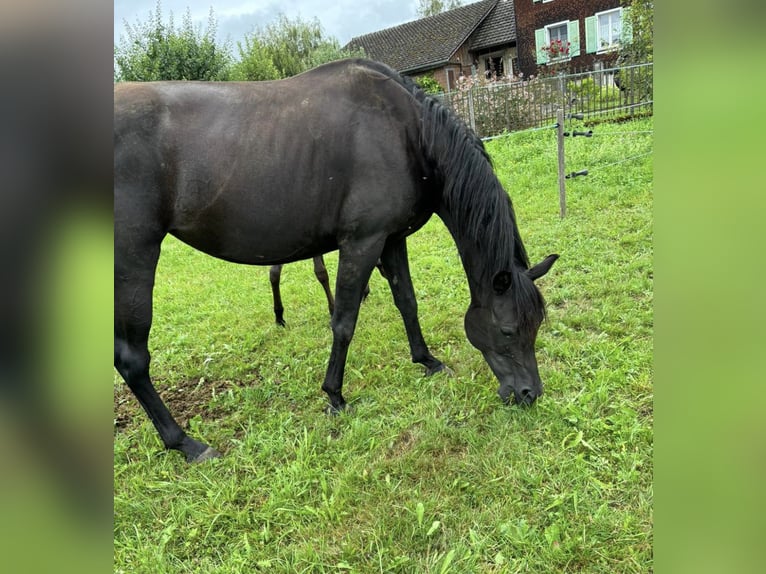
(609,94)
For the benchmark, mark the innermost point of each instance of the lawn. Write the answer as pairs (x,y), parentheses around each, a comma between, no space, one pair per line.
(424,474)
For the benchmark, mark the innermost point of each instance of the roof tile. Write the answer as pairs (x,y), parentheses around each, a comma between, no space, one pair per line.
(497,29)
(427,42)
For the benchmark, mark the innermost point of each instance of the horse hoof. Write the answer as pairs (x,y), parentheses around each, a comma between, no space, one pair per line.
(441,367)
(335,411)
(206,454)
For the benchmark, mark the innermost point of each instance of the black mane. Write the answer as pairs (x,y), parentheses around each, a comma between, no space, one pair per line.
(481,209)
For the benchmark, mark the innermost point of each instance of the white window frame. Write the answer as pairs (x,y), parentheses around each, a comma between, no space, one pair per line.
(616,44)
(547,28)
(456,76)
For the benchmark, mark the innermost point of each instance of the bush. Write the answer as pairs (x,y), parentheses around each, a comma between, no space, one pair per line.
(153,51)
(429,84)
(491,107)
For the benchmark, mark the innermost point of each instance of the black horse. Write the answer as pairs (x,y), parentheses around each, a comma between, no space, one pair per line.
(348,156)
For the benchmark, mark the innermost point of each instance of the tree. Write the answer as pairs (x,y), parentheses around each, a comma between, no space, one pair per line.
(640,22)
(286,48)
(152,51)
(432,7)
(254,61)
(639,49)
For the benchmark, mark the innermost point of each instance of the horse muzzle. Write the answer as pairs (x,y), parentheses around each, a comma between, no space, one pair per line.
(524,396)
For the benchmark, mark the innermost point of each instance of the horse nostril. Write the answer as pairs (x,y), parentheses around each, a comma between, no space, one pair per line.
(526,396)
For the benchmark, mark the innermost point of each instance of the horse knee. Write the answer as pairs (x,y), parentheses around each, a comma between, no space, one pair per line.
(342,330)
(130,362)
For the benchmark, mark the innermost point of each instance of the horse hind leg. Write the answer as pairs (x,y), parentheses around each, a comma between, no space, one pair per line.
(275,274)
(320,270)
(134,280)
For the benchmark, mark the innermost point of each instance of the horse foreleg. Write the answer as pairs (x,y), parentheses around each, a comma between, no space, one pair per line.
(274,275)
(396,269)
(320,270)
(355,264)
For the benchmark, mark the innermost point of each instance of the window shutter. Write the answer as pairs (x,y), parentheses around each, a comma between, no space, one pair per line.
(542,57)
(591,34)
(574,38)
(627,28)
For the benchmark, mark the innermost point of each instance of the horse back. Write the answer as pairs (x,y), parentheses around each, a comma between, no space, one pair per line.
(228,165)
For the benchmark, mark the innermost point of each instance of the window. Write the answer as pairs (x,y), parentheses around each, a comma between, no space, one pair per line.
(557,32)
(604,31)
(609,29)
(567,32)
(493,66)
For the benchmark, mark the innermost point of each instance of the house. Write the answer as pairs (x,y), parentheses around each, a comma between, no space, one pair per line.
(475,38)
(500,38)
(593,29)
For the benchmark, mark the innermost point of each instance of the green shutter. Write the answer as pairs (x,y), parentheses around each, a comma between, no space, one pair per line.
(574,38)
(627,26)
(540,35)
(591,34)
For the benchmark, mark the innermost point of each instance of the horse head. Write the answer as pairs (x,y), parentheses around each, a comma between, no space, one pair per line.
(504,329)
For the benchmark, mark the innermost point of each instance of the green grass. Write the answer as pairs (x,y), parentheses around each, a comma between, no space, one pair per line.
(424,474)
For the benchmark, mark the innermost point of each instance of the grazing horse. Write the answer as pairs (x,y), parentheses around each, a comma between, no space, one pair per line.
(320,270)
(349,156)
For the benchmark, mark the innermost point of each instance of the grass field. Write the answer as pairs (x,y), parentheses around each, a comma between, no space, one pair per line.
(424,474)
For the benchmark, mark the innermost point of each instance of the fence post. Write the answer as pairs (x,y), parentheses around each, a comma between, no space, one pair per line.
(471,115)
(562,177)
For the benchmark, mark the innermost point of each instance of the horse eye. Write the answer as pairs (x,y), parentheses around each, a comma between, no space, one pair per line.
(507,331)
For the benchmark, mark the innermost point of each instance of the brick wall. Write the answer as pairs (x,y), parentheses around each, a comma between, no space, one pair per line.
(533,15)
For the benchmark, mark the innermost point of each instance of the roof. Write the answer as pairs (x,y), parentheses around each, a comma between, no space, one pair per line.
(428,42)
(497,29)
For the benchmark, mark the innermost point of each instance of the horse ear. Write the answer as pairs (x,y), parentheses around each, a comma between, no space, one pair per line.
(501,282)
(542,268)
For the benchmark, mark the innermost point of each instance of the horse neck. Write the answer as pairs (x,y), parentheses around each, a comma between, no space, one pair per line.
(475,254)
(473,204)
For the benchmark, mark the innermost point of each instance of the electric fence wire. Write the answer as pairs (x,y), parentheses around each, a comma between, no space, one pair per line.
(600,167)
(527,131)
(622,133)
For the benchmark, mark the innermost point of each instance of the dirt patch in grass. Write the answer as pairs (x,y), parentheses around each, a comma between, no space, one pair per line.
(402,444)
(184,399)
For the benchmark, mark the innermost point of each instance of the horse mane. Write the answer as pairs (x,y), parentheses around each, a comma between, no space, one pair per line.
(481,210)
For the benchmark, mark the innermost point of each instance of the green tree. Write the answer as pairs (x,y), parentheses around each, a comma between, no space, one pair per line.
(286,48)
(153,50)
(640,49)
(254,62)
(432,7)
(640,21)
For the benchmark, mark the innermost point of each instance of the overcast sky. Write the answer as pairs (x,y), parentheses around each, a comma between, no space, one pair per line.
(343,19)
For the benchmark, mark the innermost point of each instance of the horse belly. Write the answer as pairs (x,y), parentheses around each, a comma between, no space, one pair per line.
(256,227)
